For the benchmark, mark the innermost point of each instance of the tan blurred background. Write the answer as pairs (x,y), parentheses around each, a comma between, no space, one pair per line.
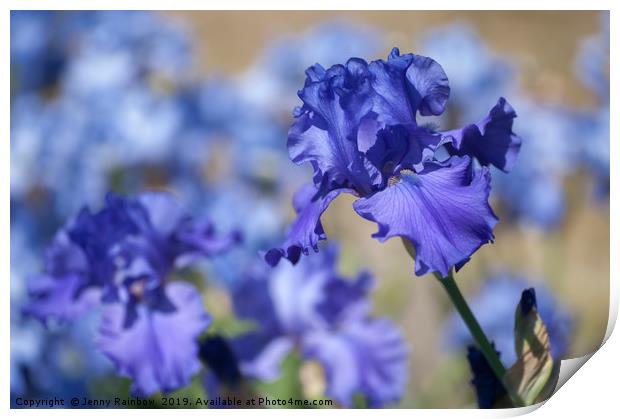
(544,43)
(573,259)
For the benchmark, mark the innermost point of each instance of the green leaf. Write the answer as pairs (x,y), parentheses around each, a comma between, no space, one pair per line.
(534,376)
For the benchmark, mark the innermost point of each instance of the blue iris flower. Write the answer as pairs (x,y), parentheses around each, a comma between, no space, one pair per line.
(494,307)
(358,129)
(123,256)
(326,317)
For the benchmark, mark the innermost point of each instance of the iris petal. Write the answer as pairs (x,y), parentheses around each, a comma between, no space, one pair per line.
(407,84)
(368,358)
(266,365)
(443,211)
(325,132)
(159,352)
(61,297)
(491,140)
(400,147)
(306,230)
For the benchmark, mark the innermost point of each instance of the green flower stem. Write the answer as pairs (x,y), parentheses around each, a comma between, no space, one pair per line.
(477,333)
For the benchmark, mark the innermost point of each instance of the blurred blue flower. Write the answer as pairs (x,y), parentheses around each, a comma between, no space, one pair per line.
(47,361)
(37,56)
(592,66)
(310,308)
(496,315)
(116,98)
(534,191)
(124,111)
(229,205)
(122,256)
(358,129)
(592,61)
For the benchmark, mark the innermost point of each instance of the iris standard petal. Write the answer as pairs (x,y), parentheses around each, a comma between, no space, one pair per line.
(407,84)
(443,211)
(159,352)
(164,212)
(325,131)
(491,140)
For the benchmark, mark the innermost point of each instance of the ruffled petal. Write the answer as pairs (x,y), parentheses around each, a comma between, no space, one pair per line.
(443,211)
(369,358)
(407,84)
(189,238)
(491,140)
(65,291)
(306,230)
(325,130)
(159,352)
(312,295)
(60,297)
(430,83)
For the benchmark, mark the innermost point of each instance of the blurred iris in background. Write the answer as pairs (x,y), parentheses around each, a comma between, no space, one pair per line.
(123,256)
(311,309)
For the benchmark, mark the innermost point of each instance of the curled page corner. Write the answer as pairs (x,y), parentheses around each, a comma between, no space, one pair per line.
(568,368)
